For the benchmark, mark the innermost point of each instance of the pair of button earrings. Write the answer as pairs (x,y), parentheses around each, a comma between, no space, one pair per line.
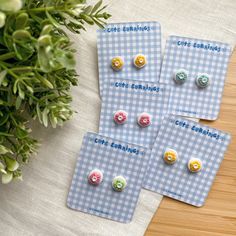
(139,61)
(202,80)
(143,119)
(95,177)
(171,156)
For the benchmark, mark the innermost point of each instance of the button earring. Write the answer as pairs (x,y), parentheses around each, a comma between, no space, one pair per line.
(117,63)
(119,183)
(95,177)
(202,80)
(120,117)
(144,120)
(170,156)
(194,165)
(140,61)
(180,76)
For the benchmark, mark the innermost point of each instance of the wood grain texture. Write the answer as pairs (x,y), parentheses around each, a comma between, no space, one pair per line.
(218,216)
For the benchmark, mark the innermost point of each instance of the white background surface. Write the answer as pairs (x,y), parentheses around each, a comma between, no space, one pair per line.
(37,205)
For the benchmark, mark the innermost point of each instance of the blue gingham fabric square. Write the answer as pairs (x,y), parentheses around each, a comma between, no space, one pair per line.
(134,97)
(190,140)
(127,40)
(113,158)
(196,56)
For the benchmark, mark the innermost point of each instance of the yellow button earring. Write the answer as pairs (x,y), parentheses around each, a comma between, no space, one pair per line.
(117,63)
(140,61)
(170,156)
(194,165)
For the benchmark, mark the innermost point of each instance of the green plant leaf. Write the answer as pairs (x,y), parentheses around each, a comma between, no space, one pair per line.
(22,20)
(6,134)
(23,44)
(18,177)
(18,103)
(44,81)
(53,120)
(87,18)
(67,60)
(4,150)
(45,116)
(10,6)
(2,169)
(52,20)
(96,6)
(4,119)
(21,92)
(12,165)
(21,133)
(87,9)
(30,89)
(22,35)
(46,30)
(7,178)
(15,86)
(2,76)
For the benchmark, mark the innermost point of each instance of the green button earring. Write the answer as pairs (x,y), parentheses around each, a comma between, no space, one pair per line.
(119,183)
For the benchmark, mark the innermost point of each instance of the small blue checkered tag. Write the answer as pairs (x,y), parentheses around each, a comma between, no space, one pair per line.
(196,56)
(113,158)
(190,140)
(134,97)
(127,40)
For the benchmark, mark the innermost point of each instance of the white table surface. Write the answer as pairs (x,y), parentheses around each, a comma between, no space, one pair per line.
(37,206)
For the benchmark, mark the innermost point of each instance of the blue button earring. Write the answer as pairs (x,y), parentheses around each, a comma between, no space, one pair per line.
(180,76)
(202,80)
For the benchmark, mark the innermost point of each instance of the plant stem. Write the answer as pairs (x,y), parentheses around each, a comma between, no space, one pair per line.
(22,68)
(51,8)
(41,9)
(8,71)
(7,56)
(13,119)
(12,143)
(33,97)
(38,9)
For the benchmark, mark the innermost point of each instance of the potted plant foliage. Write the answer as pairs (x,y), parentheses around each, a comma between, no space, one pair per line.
(37,70)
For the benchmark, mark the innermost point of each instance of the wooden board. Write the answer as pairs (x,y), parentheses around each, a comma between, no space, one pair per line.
(218,216)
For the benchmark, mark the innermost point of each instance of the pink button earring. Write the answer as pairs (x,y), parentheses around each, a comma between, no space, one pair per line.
(144,120)
(95,177)
(120,117)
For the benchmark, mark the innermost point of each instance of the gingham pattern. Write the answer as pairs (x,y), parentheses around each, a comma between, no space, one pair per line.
(188,99)
(133,102)
(102,200)
(127,45)
(176,181)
